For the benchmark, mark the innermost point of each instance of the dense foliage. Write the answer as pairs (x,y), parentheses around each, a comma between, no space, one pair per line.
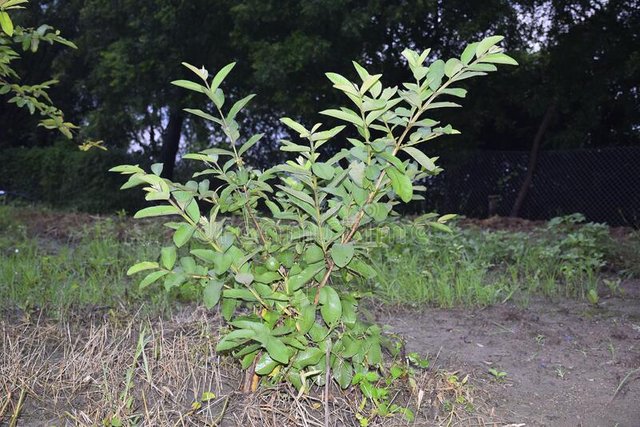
(116,81)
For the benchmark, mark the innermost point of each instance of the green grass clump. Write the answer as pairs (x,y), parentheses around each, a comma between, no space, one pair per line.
(418,266)
(83,267)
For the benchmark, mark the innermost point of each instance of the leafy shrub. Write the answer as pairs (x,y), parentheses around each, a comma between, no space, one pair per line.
(272,277)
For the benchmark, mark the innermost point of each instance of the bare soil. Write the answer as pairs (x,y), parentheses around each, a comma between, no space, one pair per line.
(567,363)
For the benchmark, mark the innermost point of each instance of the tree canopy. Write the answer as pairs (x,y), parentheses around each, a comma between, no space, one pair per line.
(578,59)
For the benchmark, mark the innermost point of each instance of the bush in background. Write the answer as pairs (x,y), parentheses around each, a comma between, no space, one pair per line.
(64,177)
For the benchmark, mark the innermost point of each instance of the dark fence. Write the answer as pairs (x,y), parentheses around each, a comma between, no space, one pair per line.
(603,184)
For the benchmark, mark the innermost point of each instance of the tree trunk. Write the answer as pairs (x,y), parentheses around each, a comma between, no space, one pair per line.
(533,160)
(171,142)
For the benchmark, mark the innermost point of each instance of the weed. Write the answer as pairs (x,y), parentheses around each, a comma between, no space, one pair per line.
(497,374)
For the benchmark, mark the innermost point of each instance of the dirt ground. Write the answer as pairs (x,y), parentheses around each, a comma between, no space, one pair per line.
(567,363)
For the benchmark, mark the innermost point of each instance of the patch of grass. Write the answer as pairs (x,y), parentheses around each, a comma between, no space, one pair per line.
(64,261)
(418,266)
(81,267)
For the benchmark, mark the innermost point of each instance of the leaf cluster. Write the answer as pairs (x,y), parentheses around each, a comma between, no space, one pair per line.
(32,97)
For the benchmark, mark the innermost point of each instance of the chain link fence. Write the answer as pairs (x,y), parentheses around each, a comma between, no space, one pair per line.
(603,184)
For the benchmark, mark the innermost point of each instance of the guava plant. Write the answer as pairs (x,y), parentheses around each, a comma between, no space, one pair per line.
(274,276)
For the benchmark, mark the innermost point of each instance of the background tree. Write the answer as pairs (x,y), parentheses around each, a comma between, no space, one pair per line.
(582,54)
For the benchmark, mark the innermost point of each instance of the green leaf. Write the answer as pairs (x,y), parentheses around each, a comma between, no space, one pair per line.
(152,277)
(436,72)
(187,84)
(468,53)
(173,280)
(241,294)
(323,170)
(238,106)
(207,255)
(308,357)
(227,308)
(341,253)
(183,234)
(411,56)
(6,24)
(484,67)
(347,116)
(313,254)
(141,266)
(276,349)
(485,44)
(250,143)
(374,354)
(207,396)
(161,210)
(212,292)
(401,184)
(369,82)
(440,227)
(452,66)
(342,372)
(338,79)
(9,4)
(156,168)
(294,148)
(307,318)
(458,92)
(168,256)
(444,104)
(193,210)
(220,76)
(377,211)
(393,160)
(200,72)
(421,158)
(499,58)
(447,217)
(265,365)
(203,115)
(349,307)
(296,281)
(331,309)
(327,134)
(294,125)
(297,194)
(127,169)
(362,269)
(244,278)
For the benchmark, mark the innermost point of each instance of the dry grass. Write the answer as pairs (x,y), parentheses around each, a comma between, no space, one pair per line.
(110,371)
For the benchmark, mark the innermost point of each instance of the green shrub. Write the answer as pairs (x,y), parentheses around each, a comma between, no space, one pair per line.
(273,277)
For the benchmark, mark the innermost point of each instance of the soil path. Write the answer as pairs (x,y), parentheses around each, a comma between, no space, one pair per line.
(564,360)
